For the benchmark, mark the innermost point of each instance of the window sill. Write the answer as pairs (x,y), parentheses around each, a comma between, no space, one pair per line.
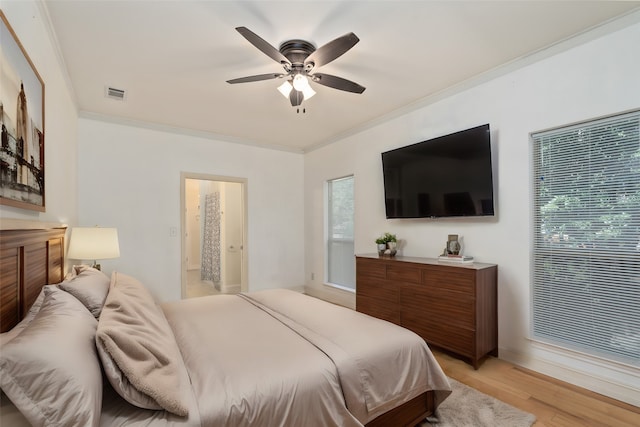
(340,287)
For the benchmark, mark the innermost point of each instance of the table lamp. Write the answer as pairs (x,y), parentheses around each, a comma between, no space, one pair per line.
(93,243)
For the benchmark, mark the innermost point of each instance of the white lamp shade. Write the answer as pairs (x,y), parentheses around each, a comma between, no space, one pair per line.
(285,89)
(308,92)
(92,243)
(300,83)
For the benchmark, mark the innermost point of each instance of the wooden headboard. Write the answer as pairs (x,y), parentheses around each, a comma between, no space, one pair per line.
(30,257)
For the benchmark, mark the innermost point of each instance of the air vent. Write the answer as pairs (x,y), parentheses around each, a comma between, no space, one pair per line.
(113,93)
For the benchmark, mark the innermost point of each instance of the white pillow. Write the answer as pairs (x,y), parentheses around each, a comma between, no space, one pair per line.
(50,370)
(88,285)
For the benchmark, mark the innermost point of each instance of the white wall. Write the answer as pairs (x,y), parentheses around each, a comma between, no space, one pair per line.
(129,178)
(27,20)
(192,232)
(597,78)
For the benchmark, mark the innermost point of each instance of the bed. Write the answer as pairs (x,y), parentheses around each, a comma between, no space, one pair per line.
(98,350)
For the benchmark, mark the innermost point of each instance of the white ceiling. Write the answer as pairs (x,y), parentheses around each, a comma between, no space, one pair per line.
(173,58)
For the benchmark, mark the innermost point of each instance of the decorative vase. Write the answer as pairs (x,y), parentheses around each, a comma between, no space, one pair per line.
(381,248)
(392,248)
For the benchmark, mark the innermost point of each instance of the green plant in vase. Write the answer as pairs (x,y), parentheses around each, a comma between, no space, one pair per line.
(382,245)
(387,241)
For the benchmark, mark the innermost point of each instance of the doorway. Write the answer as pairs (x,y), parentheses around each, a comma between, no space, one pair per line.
(213,219)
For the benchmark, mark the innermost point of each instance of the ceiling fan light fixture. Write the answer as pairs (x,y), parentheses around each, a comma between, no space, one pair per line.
(285,89)
(299,58)
(300,83)
(308,92)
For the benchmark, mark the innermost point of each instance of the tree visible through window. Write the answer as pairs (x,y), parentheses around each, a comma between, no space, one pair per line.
(586,246)
(340,248)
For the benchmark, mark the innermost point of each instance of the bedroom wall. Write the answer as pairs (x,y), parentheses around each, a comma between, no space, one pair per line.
(28,22)
(129,178)
(597,78)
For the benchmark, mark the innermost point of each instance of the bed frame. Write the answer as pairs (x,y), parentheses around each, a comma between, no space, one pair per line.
(408,414)
(32,255)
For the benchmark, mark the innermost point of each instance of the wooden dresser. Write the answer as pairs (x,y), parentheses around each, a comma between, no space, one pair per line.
(452,306)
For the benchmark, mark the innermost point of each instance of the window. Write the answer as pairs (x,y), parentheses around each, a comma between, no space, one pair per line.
(586,238)
(341,265)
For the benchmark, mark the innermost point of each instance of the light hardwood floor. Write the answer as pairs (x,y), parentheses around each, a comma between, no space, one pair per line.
(553,402)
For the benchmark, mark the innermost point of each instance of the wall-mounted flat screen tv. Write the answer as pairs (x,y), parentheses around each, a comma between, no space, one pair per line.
(448,176)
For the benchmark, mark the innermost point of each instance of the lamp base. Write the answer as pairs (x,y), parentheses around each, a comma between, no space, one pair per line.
(96,266)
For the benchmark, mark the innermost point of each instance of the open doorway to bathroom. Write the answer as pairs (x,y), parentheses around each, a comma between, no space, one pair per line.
(213,218)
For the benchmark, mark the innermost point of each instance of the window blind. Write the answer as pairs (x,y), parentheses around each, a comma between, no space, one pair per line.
(586,237)
(341,267)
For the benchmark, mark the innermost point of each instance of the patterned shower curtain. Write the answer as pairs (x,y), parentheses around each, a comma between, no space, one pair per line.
(210,269)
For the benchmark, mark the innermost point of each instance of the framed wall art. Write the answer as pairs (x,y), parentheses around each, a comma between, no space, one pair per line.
(22,180)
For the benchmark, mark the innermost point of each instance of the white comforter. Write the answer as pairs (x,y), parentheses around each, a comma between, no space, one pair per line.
(280,358)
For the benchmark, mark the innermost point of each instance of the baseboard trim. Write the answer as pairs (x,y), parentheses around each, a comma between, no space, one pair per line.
(616,382)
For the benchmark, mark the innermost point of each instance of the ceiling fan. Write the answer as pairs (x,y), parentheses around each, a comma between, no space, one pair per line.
(300,58)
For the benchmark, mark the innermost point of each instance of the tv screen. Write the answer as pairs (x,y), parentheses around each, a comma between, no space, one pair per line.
(448,176)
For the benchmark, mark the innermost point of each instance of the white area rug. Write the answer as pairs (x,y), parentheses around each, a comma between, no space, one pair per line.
(467,407)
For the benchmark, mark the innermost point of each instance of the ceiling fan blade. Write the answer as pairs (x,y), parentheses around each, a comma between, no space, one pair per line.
(337,83)
(296,98)
(332,50)
(256,78)
(261,44)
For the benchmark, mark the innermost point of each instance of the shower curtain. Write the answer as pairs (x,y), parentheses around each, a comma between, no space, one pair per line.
(210,269)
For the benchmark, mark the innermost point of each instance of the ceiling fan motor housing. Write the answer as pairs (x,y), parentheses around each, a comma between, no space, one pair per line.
(297,51)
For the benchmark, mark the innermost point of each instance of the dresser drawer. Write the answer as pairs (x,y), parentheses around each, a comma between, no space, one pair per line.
(418,304)
(458,340)
(450,279)
(379,289)
(401,273)
(378,308)
(370,268)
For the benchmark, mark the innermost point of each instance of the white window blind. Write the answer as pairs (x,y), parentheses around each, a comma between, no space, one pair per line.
(586,245)
(341,267)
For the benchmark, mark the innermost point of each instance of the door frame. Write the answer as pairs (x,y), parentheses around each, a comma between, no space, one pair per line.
(244,271)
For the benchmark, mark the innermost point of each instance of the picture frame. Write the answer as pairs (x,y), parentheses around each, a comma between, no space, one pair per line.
(22,150)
